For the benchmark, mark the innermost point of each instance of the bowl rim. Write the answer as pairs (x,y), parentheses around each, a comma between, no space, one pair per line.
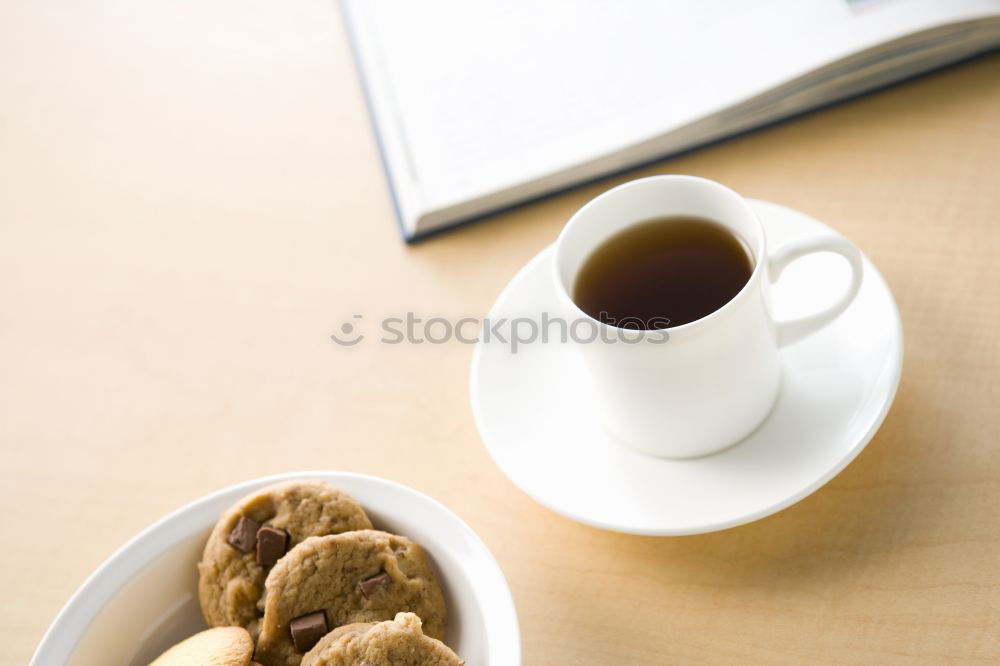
(64,633)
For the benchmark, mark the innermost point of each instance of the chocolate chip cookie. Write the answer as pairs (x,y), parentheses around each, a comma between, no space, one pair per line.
(400,642)
(331,581)
(255,533)
(223,646)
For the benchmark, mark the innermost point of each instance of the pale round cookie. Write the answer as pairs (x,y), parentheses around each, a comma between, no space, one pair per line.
(222,646)
(399,642)
(231,584)
(331,581)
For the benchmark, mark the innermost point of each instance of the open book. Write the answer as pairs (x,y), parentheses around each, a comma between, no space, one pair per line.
(480,105)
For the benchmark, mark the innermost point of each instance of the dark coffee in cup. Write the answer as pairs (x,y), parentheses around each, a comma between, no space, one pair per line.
(663,273)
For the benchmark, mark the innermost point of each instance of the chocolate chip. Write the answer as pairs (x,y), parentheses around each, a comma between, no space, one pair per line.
(307,630)
(244,536)
(271,545)
(369,586)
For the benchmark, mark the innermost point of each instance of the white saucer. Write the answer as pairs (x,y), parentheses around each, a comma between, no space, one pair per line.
(533,409)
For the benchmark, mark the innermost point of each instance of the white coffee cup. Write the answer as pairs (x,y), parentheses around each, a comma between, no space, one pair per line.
(698,388)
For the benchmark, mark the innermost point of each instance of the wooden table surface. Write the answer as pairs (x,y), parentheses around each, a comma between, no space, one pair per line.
(191,201)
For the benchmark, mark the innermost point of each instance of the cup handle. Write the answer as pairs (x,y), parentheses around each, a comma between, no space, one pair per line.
(791,330)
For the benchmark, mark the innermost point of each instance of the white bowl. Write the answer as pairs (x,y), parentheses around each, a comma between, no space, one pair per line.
(144,598)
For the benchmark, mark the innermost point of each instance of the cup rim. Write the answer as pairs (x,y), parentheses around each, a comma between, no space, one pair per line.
(662,178)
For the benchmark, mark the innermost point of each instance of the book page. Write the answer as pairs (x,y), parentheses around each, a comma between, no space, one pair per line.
(488,95)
